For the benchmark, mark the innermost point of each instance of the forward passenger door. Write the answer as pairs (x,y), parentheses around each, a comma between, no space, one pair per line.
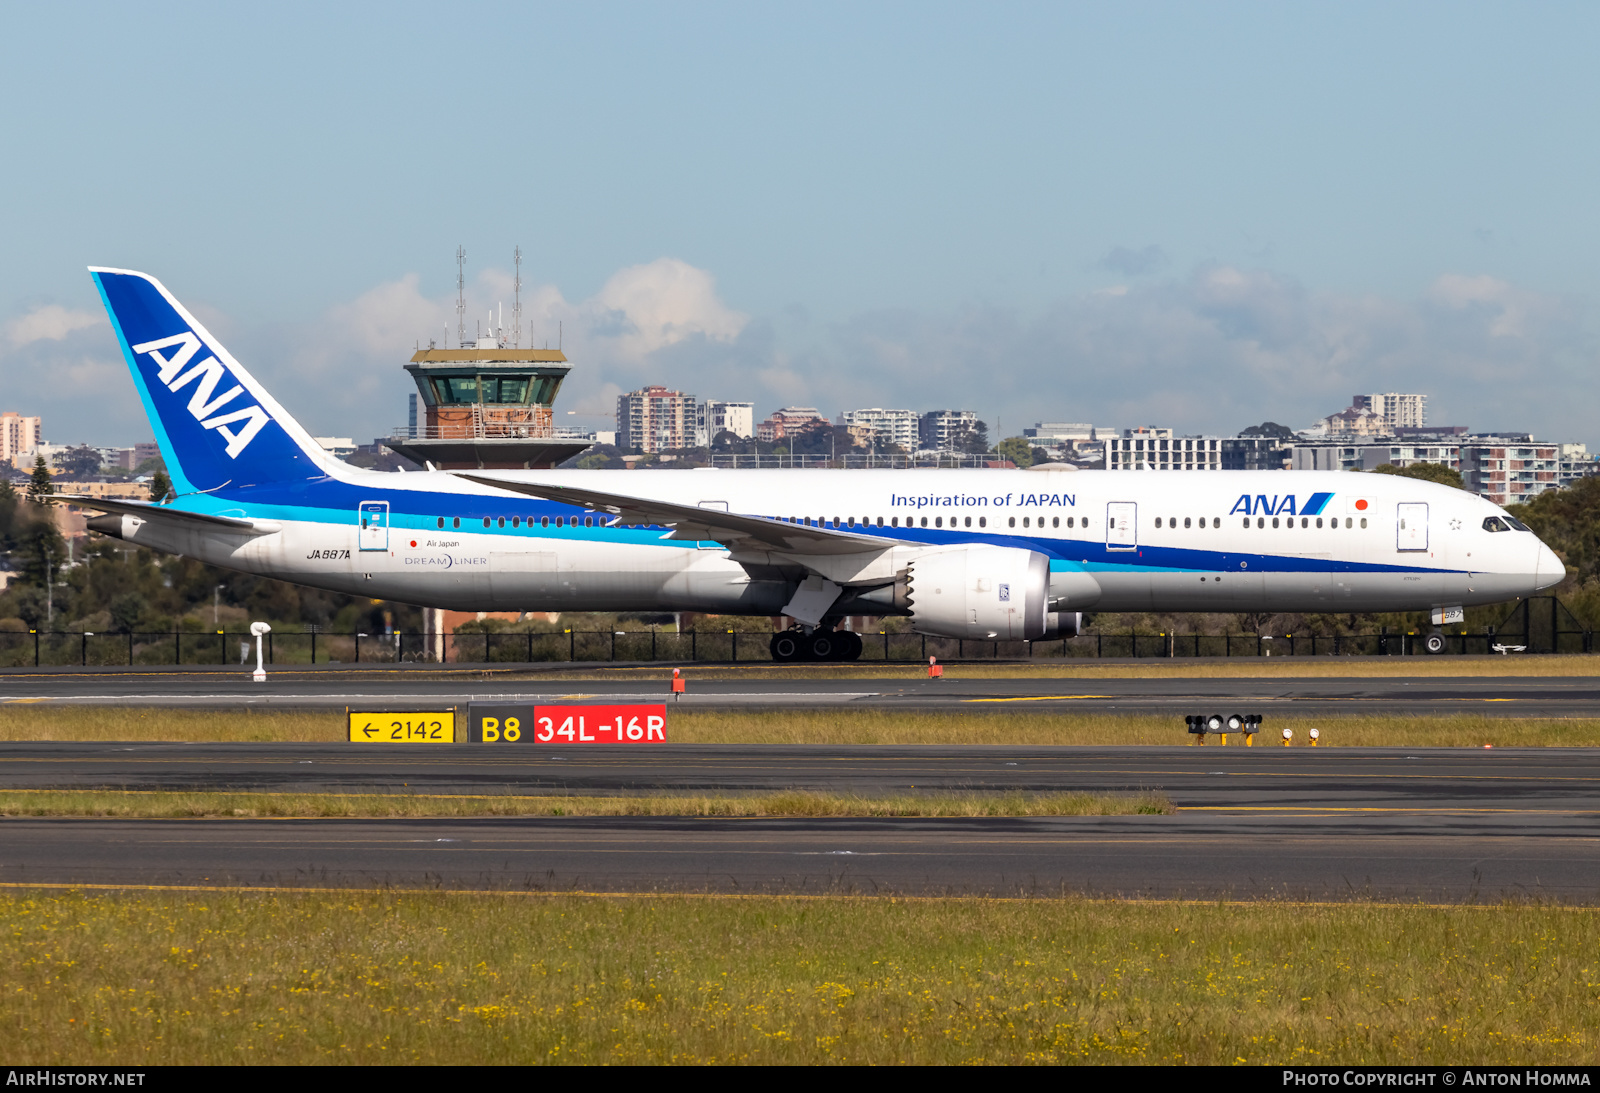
(1411,527)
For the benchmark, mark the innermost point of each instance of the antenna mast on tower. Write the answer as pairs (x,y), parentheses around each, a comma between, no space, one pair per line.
(516,306)
(461,297)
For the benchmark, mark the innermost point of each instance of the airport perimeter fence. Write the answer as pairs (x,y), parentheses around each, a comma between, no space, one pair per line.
(1540,625)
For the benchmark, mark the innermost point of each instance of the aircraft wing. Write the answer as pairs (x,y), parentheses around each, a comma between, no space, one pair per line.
(158,513)
(733,530)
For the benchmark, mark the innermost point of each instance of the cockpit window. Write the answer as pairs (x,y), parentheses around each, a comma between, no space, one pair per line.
(1518,524)
(1492,523)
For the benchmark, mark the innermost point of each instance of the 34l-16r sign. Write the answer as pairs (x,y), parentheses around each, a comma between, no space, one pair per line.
(564,724)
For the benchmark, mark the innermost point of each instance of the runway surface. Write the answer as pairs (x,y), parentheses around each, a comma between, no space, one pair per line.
(1504,696)
(1420,824)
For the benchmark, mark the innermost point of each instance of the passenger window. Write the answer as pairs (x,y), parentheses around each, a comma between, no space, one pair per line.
(1069,521)
(924,521)
(938,521)
(588,521)
(969,521)
(1186,521)
(1158,521)
(1274,521)
(1363,521)
(1261,522)
(983,521)
(1216,522)
(894,521)
(544,521)
(1012,522)
(1025,521)
(502,522)
(455,521)
(441,521)
(1055,521)
(485,521)
(1306,523)
(1319,521)
(880,521)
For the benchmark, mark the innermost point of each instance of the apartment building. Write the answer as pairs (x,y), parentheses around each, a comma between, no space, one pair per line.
(946,430)
(882,427)
(1148,449)
(654,419)
(738,418)
(19,436)
(789,421)
(1397,411)
(1509,470)
(1345,455)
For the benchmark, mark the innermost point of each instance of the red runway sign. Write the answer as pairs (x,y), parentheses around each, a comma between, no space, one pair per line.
(567,724)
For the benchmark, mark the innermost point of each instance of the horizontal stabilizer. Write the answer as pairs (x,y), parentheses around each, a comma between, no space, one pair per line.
(157,513)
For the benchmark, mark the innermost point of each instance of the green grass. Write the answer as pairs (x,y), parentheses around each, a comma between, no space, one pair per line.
(164,804)
(139,978)
(986,724)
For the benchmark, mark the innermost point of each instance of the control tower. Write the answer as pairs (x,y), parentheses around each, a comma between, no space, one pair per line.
(488,405)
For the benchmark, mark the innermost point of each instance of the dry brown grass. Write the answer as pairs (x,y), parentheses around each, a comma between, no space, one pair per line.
(829,726)
(1142,668)
(164,804)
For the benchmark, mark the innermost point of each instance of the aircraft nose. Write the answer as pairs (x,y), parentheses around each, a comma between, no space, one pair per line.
(1549,570)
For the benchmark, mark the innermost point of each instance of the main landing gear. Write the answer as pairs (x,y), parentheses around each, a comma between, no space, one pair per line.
(820,644)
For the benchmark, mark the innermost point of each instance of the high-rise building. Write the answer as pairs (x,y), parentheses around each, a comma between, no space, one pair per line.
(19,436)
(654,419)
(884,427)
(738,418)
(946,430)
(1397,411)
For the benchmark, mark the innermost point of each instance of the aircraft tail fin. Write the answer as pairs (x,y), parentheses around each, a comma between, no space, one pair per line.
(215,424)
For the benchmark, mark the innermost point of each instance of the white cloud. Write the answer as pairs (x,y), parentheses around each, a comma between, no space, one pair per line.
(343,372)
(644,308)
(50,322)
(1211,351)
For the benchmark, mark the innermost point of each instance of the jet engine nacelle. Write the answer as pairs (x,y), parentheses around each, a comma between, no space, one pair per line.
(980,592)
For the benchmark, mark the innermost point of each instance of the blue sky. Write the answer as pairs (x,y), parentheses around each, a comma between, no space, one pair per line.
(1181,214)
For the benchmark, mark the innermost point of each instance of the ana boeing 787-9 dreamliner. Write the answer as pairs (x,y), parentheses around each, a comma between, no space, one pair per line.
(962,553)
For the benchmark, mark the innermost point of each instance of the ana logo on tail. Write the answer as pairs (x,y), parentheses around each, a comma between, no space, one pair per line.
(205,376)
